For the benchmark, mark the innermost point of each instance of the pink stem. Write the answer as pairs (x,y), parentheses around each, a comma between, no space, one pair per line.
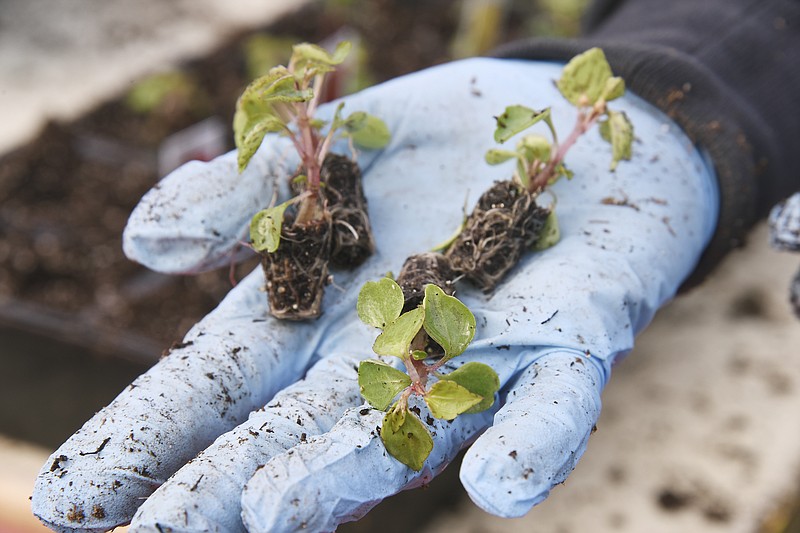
(582,125)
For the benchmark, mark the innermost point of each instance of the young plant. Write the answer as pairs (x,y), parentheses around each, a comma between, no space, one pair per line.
(326,220)
(588,84)
(424,339)
(507,219)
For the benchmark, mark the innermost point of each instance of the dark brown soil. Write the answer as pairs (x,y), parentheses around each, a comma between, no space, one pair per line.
(297,271)
(296,277)
(352,241)
(420,270)
(65,197)
(505,223)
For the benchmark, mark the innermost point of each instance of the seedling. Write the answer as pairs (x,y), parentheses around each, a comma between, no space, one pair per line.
(326,220)
(507,219)
(588,84)
(437,330)
(506,222)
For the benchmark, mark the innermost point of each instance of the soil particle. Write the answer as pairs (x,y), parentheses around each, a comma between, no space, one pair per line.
(98,512)
(671,500)
(505,223)
(99,448)
(75,514)
(57,462)
(717,513)
(750,303)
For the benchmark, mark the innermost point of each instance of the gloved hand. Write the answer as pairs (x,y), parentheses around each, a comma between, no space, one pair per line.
(312,457)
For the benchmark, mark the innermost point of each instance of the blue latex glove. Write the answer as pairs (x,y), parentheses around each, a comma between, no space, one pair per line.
(311,458)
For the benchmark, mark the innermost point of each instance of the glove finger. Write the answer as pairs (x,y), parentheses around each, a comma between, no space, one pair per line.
(205,494)
(229,364)
(537,437)
(340,475)
(194,218)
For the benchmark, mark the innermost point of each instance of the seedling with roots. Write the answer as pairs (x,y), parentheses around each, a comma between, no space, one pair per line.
(437,330)
(326,220)
(508,220)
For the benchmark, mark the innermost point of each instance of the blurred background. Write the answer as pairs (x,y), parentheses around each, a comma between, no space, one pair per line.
(99,99)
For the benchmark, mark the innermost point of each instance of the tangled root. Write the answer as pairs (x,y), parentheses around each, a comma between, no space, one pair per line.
(502,226)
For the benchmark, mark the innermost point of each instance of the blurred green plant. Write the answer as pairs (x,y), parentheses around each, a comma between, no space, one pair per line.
(161,91)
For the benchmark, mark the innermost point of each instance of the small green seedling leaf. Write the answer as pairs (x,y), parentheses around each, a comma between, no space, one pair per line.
(397,336)
(419,355)
(550,234)
(367,131)
(265,228)
(316,55)
(380,302)
(583,80)
(517,118)
(154,90)
(406,438)
(250,136)
(379,383)
(618,131)
(495,156)
(562,171)
(447,399)
(447,321)
(256,114)
(615,87)
(277,86)
(479,379)
(534,148)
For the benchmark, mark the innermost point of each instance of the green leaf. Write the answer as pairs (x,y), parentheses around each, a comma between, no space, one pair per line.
(379,383)
(517,118)
(153,91)
(479,379)
(307,53)
(380,302)
(265,228)
(367,131)
(406,438)
(447,321)
(550,234)
(615,87)
(256,114)
(419,355)
(279,85)
(495,156)
(533,147)
(563,171)
(397,336)
(618,130)
(249,137)
(397,418)
(584,78)
(447,399)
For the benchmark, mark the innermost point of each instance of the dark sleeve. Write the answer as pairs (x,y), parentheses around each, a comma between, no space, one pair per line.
(728,71)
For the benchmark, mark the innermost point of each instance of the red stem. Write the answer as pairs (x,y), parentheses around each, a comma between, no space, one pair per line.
(582,125)
(418,372)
